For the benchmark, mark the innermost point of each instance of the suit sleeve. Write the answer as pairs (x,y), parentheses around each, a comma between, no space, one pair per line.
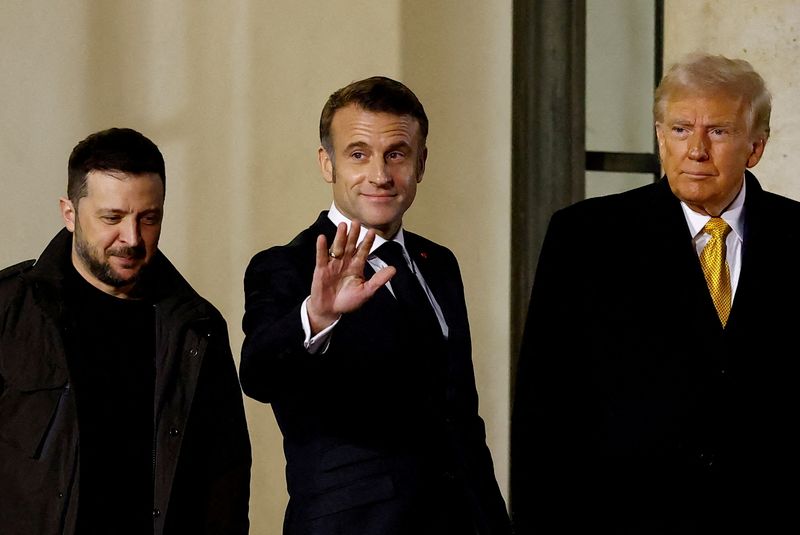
(273,354)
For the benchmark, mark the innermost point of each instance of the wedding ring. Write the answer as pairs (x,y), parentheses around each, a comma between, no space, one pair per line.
(332,255)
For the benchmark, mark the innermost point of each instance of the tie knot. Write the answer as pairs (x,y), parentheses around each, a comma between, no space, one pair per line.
(717,227)
(391,252)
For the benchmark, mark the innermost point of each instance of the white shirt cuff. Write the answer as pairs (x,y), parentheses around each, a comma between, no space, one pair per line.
(319,343)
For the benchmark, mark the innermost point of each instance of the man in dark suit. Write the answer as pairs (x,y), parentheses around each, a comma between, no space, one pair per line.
(371,383)
(655,391)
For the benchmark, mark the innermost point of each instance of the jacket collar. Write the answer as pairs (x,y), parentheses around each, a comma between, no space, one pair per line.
(166,287)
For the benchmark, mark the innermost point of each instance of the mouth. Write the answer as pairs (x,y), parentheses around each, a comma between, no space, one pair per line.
(127,254)
(697,175)
(126,262)
(379,196)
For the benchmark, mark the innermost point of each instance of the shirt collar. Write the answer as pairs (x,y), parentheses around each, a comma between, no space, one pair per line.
(733,216)
(337,217)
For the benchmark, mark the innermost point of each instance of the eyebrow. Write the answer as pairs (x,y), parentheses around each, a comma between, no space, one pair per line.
(390,148)
(356,145)
(399,145)
(681,122)
(118,211)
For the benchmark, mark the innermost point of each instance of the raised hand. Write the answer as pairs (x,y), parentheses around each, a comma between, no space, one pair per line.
(338,286)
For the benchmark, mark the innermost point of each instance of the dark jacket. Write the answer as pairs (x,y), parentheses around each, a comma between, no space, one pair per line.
(383,428)
(201,446)
(635,410)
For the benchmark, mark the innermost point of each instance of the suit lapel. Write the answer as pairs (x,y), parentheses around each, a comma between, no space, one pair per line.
(432,270)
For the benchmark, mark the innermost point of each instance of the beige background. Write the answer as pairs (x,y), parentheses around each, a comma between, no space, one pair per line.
(231,91)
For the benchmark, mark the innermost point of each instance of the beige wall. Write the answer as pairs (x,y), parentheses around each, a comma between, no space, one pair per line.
(767,34)
(231,92)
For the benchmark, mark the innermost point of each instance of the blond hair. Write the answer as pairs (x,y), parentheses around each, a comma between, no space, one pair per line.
(707,74)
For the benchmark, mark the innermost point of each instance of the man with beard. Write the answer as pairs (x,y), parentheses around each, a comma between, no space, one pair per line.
(120,410)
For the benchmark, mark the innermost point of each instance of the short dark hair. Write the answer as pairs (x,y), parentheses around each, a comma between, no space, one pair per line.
(376,94)
(115,149)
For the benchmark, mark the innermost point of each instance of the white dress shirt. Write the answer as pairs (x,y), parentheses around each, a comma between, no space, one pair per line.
(734,217)
(319,342)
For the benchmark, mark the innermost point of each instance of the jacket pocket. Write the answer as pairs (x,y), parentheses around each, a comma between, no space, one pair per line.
(28,417)
(363,492)
(346,455)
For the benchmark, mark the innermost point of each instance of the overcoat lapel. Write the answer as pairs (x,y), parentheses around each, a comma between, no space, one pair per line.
(757,252)
(681,264)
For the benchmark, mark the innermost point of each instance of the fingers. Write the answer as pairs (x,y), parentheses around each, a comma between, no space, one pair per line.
(338,246)
(322,251)
(365,246)
(345,245)
(380,278)
(352,239)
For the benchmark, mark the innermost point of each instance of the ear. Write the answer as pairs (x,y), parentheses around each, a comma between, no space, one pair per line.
(325,165)
(660,136)
(68,213)
(421,169)
(757,152)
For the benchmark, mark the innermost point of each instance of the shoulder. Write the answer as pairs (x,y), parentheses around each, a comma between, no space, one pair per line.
(425,251)
(611,208)
(10,276)
(15,294)
(421,241)
(598,223)
(289,265)
(301,250)
(780,204)
(16,269)
(766,208)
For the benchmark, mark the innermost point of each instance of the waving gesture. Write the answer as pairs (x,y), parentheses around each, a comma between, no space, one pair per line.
(338,285)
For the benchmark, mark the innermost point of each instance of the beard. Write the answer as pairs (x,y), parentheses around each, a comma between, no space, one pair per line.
(97,263)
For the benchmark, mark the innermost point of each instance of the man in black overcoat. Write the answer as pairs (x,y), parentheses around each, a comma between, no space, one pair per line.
(656,389)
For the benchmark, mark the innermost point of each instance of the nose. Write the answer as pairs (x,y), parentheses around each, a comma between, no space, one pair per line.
(130,232)
(380,175)
(698,146)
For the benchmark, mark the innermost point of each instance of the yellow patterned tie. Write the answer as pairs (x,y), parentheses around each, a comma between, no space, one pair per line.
(715,267)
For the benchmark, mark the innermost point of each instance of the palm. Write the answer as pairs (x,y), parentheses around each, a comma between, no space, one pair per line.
(339,286)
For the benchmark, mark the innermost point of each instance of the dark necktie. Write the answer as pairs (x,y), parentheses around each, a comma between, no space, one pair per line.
(407,289)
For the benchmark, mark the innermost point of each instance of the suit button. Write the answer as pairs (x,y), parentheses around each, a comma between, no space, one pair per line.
(449,476)
(174,431)
(156,513)
(60,495)
(707,459)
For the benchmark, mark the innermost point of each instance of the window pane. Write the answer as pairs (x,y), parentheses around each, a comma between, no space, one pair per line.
(601,183)
(619,75)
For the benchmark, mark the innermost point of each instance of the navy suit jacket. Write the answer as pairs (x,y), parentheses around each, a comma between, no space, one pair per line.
(635,411)
(380,426)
